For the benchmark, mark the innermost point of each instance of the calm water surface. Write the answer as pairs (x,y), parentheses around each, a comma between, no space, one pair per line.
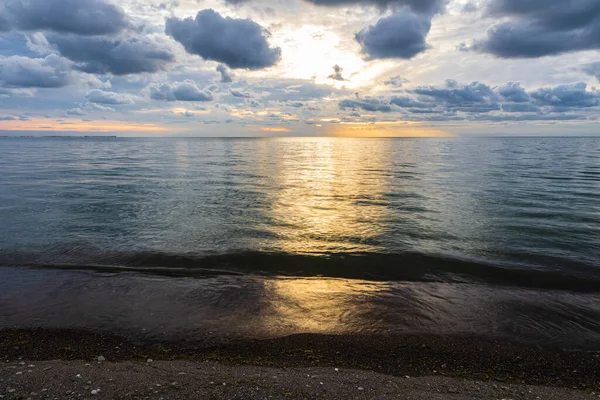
(488,236)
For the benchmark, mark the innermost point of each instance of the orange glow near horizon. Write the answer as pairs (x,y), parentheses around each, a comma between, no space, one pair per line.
(386,129)
(77,125)
(275,130)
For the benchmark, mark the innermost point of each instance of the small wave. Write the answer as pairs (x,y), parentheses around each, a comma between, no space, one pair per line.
(368,266)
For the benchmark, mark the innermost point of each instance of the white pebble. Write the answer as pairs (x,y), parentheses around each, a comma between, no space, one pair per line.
(361,388)
(101,358)
(95,391)
(30,366)
(149,360)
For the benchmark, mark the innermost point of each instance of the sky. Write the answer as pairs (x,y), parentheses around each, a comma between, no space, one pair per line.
(299,67)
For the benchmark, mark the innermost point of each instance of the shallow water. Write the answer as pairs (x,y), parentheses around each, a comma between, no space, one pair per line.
(492,236)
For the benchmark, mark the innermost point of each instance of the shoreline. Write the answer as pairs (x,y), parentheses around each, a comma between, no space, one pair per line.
(456,357)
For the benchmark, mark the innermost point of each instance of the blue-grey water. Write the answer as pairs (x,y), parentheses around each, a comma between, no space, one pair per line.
(494,236)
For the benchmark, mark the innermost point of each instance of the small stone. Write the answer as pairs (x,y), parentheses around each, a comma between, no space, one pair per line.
(78,376)
(336,369)
(12,390)
(31,366)
(407,377)
(95,391)
(361,388)
(149,360)
(22,363)
(101,358)
(19,373)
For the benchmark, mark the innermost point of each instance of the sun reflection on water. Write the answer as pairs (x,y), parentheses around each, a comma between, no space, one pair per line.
(319,305)
(329,197)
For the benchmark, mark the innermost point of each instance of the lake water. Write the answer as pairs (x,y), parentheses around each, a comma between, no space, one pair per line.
(263,237)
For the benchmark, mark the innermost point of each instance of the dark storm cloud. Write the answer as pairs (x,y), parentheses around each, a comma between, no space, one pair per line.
(123,56)
(400,35)
(98,96)
(367,104)
(539,28)
(23,72)
(238,43)
(337,73)
(592,69)
(82,17)
(225,74)
(179,91)
(574,95)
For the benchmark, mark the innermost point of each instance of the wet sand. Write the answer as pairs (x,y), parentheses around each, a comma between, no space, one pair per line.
(438,367)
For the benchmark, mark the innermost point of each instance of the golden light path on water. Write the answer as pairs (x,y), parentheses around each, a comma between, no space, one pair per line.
(319,207)
(318,305)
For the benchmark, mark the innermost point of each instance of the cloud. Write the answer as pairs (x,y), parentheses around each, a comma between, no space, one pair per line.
(337,73)
(18,92)
(367,104)
(396,81)
(81,17)
(540,28)
(592,69)
(573,95)
(400,35)
(237,93)
(519,107)
(460,95)
(238,43)
(408,102)
(76,111)
(225,74)
(512,91)
(179,91)
(119,56)
(23,72)
(102,97)
(417,6)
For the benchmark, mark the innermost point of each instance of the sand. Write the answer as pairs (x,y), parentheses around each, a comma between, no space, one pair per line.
(214,380)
